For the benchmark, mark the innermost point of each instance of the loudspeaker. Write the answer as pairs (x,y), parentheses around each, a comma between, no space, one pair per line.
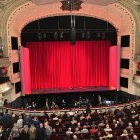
(73,36)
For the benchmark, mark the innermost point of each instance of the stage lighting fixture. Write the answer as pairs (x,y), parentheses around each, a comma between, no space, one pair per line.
(98,35)
(83,35)
(39,36)
(87,35)
(61,34)
(44,35)
(56,36)
(73,36)
(103,35)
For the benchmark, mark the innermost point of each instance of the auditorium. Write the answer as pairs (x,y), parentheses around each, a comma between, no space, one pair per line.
(69,70)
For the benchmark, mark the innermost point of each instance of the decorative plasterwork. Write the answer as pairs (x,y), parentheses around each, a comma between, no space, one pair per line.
(4,62)
(97,2)
(5,87)
(4,2)
(71,5)
(136,2)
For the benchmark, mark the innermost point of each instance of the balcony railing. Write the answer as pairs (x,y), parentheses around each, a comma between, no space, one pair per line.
(4,80)
(4,62)
(136,79)
(6,86)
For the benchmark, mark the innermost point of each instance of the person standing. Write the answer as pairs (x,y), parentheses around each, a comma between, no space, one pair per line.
(15,133)
(48,130)
(41,132)
(32,132)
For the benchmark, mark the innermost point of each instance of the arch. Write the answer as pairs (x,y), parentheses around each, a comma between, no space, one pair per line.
(17,10)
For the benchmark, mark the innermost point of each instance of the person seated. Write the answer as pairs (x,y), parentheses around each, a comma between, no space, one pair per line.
(93,130)
(129,126)
(54,131)
(33,106)
(54,105)
(115,126)
(120,123)
(77,131)
(27,106)
(84,130)
(125,133)
(99,136)
(93,124)
(101,124)
(108,135)
(74,121)
(107,128)
(131,132)
(47,106)
(82,117)
(75,137)
(55,118)
(63,104)
(78,124)
(57,124)
(135,137)
(69,131)
(67,137)
(136,124)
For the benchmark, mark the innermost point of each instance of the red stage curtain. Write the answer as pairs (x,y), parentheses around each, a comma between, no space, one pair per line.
(114,67)
(60,65)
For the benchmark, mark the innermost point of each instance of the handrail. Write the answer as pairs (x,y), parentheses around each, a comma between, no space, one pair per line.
(98,108)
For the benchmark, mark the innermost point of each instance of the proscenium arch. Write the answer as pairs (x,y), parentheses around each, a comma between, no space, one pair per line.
(11,28)
(12,6)
(55,14)
(26,5)
(84,15)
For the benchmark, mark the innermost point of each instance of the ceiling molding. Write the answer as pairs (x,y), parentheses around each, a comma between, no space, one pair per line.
(136,2)
(4,2)
(96,2)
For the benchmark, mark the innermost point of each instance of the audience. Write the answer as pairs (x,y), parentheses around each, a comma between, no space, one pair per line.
(110,124)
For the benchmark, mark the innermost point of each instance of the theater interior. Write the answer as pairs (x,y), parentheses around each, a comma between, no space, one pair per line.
(71,68)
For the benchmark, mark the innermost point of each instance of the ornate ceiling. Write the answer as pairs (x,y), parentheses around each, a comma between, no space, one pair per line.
(136,2)
(4,2)
(97,2)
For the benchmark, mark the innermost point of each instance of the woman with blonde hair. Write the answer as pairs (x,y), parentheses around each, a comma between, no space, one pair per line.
(32,132)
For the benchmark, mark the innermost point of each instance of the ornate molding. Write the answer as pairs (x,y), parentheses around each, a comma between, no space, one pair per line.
(4,2)
(4,62)
(5,87)
(96,2)
(136,2)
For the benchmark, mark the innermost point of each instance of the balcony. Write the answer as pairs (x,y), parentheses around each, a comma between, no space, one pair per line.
(136,79)
(4,61)
(6,86)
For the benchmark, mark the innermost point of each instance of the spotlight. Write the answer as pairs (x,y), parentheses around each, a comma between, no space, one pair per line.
(44,35)
(98,35)
(61,35)
(39,36)
(88,35)
(83,35)
(56,36)
(103,35)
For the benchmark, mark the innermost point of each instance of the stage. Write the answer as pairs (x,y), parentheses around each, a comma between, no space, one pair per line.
(65,90)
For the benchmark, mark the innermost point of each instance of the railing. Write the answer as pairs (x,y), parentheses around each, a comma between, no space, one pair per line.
(4,80)
(4,87)
(50,111)
(4,61)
